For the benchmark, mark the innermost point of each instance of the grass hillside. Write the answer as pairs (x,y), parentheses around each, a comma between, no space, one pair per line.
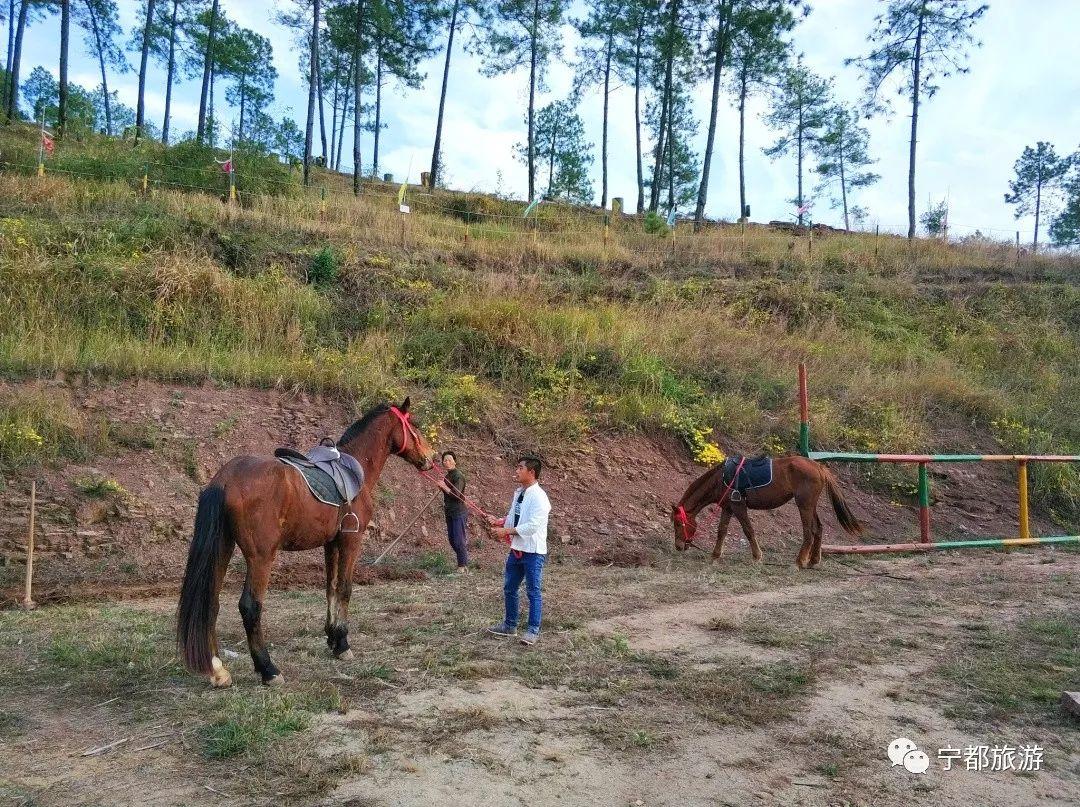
(560,332)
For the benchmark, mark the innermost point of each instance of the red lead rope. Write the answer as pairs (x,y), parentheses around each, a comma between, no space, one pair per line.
(471,505)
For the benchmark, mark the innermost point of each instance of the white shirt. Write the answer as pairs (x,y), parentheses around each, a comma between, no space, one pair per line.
(532,520)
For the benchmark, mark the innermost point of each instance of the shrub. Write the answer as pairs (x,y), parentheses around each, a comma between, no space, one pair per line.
(323,269)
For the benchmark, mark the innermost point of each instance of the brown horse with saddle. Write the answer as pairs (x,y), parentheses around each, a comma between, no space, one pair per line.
(740,484)
(288,502)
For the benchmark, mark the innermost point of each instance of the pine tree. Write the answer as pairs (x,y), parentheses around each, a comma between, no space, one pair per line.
(470,15)
(843,151)
(144,47)
(99,20)
(560,144)
(208,63)
(800,103)
(29,12)
(921,41)
(758,53)
(633,56)
(248,59)
(1065,228)
(313,58)
(1038,171)
(62,89)
(525,32)
(602,31)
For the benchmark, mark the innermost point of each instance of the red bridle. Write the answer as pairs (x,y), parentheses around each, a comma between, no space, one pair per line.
(407,430)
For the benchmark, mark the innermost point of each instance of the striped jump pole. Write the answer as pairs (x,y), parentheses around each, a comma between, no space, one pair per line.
(978,543)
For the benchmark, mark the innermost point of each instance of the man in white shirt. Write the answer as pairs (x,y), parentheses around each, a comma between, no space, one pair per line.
(525,527)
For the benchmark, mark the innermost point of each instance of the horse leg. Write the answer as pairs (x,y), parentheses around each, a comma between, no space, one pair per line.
(819,531)
(808,516)
(748,529)
(219,676)
(339,631)
(721,532)
(251,609)
(332,551)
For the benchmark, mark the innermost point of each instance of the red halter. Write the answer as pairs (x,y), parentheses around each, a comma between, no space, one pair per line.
(407,430)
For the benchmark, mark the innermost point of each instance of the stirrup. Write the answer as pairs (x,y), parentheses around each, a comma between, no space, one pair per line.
(735,496)
(344,519)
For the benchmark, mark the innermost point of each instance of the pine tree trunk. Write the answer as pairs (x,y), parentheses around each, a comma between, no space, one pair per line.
(312,77)
(916,78)
(671,158)
(243,104)
(551,158)
(10,52)
(16,59)
(358,70)
(742,141)
(532,100)
(200,131)
(344,115)
(65,39)
(637,115)
(843,182)
(170,72)
(436,157)
(1038,206)
(140,107)
(724,12)
(334,115)
(799,160)
(211,119)
(604,136)
(322,112)
(378,107)
(665,109)
(101,62)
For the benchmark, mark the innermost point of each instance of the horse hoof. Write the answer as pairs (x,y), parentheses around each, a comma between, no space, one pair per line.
(275,681)
(219,676)
(346,656)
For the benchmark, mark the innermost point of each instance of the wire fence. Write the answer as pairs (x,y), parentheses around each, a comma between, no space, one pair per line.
(453,219)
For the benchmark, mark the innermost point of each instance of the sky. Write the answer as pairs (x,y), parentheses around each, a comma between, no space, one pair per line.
(1021,88)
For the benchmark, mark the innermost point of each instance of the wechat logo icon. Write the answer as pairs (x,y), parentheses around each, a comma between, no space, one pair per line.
(903,751)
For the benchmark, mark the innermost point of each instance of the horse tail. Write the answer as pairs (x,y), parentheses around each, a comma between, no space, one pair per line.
(844,515)
(196,612)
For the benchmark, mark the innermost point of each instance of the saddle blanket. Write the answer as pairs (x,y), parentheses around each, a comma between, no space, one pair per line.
(756,473)
(332,477)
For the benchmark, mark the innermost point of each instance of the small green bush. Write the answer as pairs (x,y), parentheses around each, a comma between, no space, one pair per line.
(324,266)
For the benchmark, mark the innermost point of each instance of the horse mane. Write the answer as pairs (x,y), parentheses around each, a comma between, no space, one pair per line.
(695,494)
(363,423)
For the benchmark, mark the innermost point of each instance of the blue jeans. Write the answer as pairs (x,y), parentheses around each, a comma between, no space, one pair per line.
(457,530)
(530,568)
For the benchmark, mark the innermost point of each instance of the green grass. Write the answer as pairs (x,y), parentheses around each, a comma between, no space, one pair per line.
(1016,673)
(250,723)
(99,487)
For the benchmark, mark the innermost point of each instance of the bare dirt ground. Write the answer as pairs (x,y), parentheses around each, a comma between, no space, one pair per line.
(735,684)
(671,683)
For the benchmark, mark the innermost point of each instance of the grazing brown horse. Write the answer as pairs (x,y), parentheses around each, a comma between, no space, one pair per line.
(263,506)
(794,477)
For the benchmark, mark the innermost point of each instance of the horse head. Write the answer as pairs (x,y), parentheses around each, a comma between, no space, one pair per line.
(409,441)
(685,526)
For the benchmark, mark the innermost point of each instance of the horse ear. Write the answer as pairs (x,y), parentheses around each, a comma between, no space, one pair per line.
(405,406)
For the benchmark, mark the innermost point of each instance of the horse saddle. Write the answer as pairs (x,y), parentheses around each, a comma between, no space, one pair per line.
(756,472)
(332,477)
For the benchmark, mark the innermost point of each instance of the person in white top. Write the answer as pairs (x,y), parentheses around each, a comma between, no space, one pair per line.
(525,527)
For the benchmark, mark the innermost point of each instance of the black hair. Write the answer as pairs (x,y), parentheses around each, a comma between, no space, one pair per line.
(450,454)
(532,463)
